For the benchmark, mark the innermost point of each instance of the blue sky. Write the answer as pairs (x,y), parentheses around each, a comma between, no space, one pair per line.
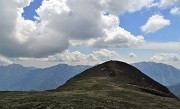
(30,11)
(75,32)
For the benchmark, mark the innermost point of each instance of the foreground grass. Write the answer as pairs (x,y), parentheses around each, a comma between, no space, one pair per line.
(86,99)
(87,92)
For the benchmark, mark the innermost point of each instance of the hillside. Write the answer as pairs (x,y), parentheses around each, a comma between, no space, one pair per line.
(115,74)
(162,73)
(111,85)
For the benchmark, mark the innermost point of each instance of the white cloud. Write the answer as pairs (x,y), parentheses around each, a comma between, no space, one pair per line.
(168,3)
(121,6)
(23,3)
(166,57)
(167,46)
(132,55)
(72,19)
(155,23)
(76,57)
(5,61)
(175,11)
(102,55)
(23,38)
(60,22)
(116,36)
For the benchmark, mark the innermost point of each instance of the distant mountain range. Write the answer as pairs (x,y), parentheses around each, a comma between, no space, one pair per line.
(162,73)
(12,74)
(18,78)
(165,74)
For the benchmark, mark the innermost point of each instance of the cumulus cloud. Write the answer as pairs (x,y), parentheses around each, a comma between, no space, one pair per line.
(155,23)
(166,57)
(102,55)
(61,21)
(24,38)
(116,36)
(175,11)
(132,55)
(76,57)
(168,3)
(72,19)
(121,6)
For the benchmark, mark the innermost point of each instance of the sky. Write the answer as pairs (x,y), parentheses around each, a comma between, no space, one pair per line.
(44,33)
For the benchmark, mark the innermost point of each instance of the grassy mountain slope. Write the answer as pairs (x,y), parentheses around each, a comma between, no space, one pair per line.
(118,74)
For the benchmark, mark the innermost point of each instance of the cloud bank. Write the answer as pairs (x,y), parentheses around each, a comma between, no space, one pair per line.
(76,57)
(166,57)
(5,61)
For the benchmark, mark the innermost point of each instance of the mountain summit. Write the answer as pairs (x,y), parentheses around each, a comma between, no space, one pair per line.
(115,75)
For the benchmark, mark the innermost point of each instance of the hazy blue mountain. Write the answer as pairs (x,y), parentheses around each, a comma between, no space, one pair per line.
(18,78)
(162,73)
(48,78)
(175,89)
(11,74)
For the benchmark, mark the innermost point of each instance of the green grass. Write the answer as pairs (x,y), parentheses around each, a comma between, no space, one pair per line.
(85,100)
(92,93)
